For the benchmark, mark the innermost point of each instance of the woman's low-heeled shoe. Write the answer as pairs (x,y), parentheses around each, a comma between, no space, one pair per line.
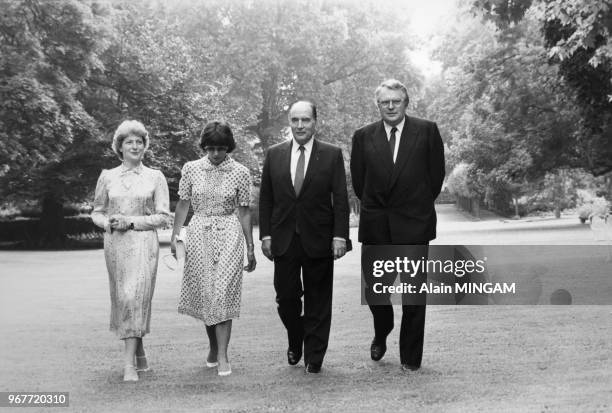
(129,373)
(225,372)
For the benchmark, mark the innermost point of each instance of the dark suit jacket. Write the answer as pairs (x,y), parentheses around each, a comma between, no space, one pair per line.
(321,209)
(397,201)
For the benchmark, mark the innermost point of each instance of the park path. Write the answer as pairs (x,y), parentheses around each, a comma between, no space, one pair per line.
(458,227)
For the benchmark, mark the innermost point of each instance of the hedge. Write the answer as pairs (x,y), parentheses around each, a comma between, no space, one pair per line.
(29,229)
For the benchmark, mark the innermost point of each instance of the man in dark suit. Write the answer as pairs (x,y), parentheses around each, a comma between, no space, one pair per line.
(397,168)
(304,226)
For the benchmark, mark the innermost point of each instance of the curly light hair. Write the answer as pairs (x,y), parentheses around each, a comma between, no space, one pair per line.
(129,128)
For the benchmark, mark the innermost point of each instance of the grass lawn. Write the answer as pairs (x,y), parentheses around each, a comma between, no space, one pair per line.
(54,315)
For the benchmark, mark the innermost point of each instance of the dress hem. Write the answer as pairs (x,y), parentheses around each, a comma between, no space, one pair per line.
(200,317)
(128,333)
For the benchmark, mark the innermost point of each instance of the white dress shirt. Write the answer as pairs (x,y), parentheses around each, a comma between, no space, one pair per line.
(398,134)
(295,155)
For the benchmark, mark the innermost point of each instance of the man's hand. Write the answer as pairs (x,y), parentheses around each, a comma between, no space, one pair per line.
(338,248)
(266,248)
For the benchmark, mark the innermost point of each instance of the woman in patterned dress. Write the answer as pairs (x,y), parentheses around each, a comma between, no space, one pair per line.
(216,186)
(131,201)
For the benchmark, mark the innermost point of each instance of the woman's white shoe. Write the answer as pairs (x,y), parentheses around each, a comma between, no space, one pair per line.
(225,372)
(129,373)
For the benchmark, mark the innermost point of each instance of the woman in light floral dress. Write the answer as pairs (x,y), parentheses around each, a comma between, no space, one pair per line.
(131,201)
(218,188)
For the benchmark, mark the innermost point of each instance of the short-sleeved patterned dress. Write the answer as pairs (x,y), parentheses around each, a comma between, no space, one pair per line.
(141,194)
(212,280)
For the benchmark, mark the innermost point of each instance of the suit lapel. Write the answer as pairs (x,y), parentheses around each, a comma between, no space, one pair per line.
(406,145)
(381,145)
(286,167)
(311,168)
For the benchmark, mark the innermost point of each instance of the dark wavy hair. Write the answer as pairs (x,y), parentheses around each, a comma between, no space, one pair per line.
(217,134)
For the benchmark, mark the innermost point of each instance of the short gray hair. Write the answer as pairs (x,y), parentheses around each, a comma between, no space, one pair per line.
(392,84)
(128,128)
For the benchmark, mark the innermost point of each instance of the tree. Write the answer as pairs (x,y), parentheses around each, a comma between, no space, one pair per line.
(148,74)
(507,111)
(269,57)
(262,56)
(577,37)
(71,71)
(48,49)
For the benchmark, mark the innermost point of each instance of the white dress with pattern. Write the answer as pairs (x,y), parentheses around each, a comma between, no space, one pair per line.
(212,281)
(141,194)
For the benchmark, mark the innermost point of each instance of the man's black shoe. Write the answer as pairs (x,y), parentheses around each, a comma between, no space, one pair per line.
(313,368)
(378,349)
(293,357)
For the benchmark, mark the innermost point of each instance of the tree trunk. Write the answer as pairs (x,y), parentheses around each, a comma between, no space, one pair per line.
(557,211)
(52,229)
(516,208)
(475,207)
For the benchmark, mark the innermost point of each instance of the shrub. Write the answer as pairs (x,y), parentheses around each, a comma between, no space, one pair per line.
(29,230)
(592,205)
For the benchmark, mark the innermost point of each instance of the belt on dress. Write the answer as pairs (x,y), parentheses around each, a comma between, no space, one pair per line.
(225,214)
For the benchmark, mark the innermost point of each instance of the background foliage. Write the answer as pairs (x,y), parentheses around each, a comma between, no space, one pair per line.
(523,99)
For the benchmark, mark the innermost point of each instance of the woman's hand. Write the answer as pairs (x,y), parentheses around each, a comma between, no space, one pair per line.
(173,246)
(119,222)
(251,259)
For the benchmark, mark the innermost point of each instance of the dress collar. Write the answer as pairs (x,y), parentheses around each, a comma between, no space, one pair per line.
(137,169)
(224,166)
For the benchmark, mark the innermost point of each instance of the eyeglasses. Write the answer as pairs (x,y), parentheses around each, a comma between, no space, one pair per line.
(387,103)
(215,148)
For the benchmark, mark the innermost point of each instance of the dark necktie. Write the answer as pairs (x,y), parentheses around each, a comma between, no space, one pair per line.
(299,171)
(392,142)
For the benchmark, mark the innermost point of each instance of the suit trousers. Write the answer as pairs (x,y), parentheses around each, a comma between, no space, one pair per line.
(312,328)
(412,330)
